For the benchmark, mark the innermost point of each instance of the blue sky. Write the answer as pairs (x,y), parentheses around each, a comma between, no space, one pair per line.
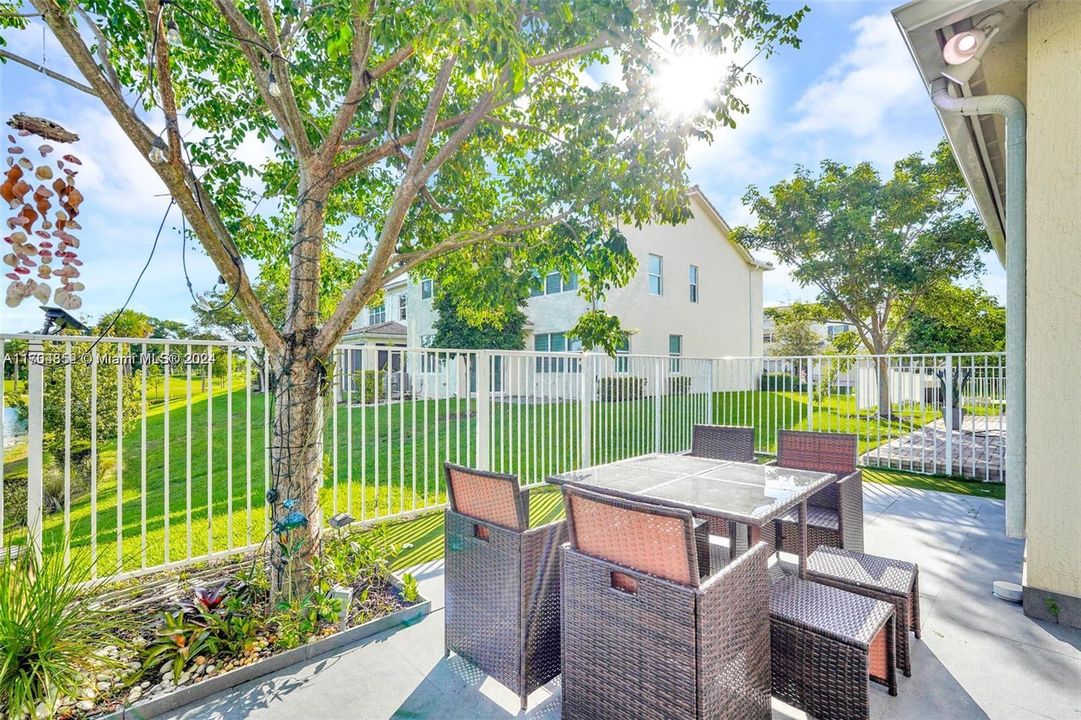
(851,93)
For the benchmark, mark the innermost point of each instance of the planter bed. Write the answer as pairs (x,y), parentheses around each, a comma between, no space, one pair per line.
(206,685)
(123,681)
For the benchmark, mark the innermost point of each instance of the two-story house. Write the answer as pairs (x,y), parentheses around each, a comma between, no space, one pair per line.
(697,293)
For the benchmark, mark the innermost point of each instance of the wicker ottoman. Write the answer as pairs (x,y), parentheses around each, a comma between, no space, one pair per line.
(826,645)
(894,581)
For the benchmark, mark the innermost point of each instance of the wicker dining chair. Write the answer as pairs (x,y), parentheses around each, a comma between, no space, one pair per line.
(835,513)
(725,442)
(643,635)
(502,580)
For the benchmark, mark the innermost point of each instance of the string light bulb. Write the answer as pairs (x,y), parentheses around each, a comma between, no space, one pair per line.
(272,85)
(172,33)
(158,150)
(377,100)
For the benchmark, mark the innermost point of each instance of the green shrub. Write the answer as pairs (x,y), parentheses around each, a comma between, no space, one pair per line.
(51,632)
(616,389)
(679,385)
(781,381)
(364,384)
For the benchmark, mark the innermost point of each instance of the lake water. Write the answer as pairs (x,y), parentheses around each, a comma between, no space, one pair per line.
(14,428)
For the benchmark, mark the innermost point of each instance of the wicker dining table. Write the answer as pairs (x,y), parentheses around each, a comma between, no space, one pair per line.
(743,494)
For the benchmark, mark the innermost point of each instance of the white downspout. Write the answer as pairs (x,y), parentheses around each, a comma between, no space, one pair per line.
(1013,112)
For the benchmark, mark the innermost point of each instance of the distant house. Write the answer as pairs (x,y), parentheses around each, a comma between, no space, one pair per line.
(826,329)
(697,293)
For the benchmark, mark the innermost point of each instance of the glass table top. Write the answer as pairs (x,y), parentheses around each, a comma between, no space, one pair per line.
(744,492)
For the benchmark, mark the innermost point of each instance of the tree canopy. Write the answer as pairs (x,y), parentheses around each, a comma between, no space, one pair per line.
(956,319)
(872,246)
(456,329)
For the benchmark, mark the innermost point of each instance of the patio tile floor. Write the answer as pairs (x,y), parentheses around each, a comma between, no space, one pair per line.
(979,657)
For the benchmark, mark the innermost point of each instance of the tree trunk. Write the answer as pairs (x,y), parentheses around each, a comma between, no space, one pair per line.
(883,371)
(296,455)
(296,466)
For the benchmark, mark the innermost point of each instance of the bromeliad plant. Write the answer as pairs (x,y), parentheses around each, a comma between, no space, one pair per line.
(179,640)
(51,631)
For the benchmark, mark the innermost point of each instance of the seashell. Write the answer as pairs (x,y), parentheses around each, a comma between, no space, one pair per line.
(45,272)
(46,225)
(59,186)
(14,173)
(70,173)
(73,159)
(74,225)
(7,192)
(24,133)
(22,270)
(12,140)
(17,220)
(20,189)
(15,150)
(76,286)
(42,234)
(17,237)
(45,255)
(45,149)
(75,261)
(25,163)
(11,276)
(45,245)
(44,172)
(42,292)
(11,259)
(27,262)
(30,214)
(43,192)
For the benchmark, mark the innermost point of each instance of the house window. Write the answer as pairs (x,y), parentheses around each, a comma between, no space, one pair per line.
(377,314)
(622,351)
(401,307)
(834,330)
(656,275)
(429,361)
(556,342)
(675,349)
(426,288)
(553,283)
(693,278)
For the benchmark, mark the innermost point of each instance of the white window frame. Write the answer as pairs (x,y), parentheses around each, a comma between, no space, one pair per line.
(427,289)
(403,304)
(379,311)
(659,275)
(674,362)
(692,280)
(623,363)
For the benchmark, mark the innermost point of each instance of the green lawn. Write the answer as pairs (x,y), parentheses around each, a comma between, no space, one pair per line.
(396,468)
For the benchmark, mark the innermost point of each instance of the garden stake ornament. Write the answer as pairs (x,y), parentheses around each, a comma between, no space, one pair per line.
(44,204)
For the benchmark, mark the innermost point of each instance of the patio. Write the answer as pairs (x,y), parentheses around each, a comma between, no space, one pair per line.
(978,448)
(979,657)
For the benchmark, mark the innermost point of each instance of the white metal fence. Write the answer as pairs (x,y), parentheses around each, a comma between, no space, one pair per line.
(148,453)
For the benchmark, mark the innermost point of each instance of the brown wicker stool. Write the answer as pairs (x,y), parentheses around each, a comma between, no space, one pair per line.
(826,644)
(893,581)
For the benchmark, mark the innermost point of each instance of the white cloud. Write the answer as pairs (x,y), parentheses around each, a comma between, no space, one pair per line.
(870,83)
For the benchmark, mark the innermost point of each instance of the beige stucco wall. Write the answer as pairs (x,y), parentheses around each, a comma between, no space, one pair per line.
(1053,478)
(726,320)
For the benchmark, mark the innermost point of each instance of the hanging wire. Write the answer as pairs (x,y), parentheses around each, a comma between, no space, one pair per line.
(138,279)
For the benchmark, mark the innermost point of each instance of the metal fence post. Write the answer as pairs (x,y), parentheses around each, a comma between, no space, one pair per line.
(483,359)
(810,394)
(658,406)
(586,391)
(35,391)
(709,391)
(949,414)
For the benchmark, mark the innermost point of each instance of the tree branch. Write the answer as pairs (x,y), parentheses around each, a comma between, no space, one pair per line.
(103,46)
(288,119)
(165,81)
(47,72)
(205,221)
(371,279)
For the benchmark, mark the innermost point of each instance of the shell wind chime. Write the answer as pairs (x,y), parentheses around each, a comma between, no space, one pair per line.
(43,202)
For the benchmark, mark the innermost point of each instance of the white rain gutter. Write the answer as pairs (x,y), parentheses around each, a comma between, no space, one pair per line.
(1013,112)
